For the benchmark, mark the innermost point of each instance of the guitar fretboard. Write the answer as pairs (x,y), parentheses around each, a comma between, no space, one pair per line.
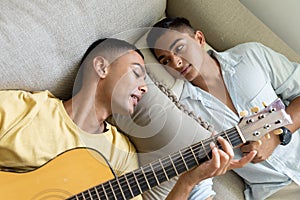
(138,181)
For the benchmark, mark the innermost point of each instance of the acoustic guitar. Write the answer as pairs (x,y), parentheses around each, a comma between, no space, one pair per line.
(83,173)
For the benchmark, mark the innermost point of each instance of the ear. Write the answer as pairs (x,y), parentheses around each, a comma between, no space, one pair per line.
(100,65)
(199,36)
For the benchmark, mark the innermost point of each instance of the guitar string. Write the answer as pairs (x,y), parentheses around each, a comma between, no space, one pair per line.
(173,98)
(179,162)
(140,176)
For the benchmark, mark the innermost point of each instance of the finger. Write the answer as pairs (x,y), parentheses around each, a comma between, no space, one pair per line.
(245,154)
(243,161)
(224,162)
(214,133)
(226,147)
(248,147)
(215,156)
(258,159)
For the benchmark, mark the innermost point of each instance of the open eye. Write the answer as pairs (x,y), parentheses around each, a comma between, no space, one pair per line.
(165,61)
(179,48)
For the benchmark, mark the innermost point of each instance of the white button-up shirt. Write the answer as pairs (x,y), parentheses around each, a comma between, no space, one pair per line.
(253,74)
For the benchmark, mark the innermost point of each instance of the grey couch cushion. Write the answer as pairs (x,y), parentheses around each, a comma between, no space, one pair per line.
(43,41)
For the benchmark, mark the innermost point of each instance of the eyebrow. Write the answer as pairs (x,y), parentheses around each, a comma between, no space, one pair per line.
(174,43)
(170,48)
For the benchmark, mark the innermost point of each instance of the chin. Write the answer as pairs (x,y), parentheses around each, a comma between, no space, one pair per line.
(130,112)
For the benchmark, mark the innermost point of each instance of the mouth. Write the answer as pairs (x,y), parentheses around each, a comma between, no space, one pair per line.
(135,99)
(185,69)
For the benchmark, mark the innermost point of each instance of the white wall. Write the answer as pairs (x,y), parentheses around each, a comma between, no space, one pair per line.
(282,16)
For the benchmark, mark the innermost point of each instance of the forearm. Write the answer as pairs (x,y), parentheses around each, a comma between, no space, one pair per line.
(181,189)
(294,110)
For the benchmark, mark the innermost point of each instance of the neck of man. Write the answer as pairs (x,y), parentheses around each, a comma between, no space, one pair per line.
(211,80)
(86,112)
(210,75)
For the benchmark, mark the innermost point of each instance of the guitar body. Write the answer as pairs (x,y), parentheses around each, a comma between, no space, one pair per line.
(78,172)
(69,173)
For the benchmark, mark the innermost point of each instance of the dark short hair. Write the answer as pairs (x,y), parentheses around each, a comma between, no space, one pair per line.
(112,46)
(173,23)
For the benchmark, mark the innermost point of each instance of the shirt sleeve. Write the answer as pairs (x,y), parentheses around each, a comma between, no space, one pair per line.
(16,107)
(284,74)
(203,190)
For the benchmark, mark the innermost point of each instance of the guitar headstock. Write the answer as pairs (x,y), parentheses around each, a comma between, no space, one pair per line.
(257,125)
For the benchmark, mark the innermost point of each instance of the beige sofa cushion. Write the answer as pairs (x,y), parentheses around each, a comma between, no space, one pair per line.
(42,42)
(228,23)
(156,71)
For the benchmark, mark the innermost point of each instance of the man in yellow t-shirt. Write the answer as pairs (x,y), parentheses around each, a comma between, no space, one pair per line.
(35,127)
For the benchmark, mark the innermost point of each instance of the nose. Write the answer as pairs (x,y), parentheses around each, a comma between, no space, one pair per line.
(177,61)
(143,89)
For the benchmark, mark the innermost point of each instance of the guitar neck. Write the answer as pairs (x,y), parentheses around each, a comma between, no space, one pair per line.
(138,181)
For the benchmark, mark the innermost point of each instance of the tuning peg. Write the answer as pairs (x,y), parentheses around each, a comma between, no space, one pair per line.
(278,131)
(259,142)
(264,104)
(267,136)
(255,109)
(243,113)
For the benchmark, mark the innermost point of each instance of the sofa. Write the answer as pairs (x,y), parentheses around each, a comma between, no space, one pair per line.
(43,42)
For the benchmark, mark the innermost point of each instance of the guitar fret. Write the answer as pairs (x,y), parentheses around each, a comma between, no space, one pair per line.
(142,179)
(173,165)
(112,189)
(146,178)
(103,188)
(96,193)
(194,155)
(183,160)
(177,160)
(137,182)
(80,195)
(161,176)
(150,176)
(131,192)
(134,187)
(163,169)
(205,150)
(89,192)
(235,137)
(121,190)
(225,133)
(83,195)
(92,192)
(169,168)
(154,174)
(188,156)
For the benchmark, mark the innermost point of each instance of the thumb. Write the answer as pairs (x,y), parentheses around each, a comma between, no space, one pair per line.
(243,161)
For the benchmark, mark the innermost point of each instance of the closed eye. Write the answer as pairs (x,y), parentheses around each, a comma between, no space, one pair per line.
(136,73)
(138,70)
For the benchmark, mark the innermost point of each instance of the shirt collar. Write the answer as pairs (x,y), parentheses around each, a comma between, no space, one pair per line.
(228,60)
(189,91)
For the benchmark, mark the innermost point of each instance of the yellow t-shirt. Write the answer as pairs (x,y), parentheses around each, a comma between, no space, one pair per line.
(34,128)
